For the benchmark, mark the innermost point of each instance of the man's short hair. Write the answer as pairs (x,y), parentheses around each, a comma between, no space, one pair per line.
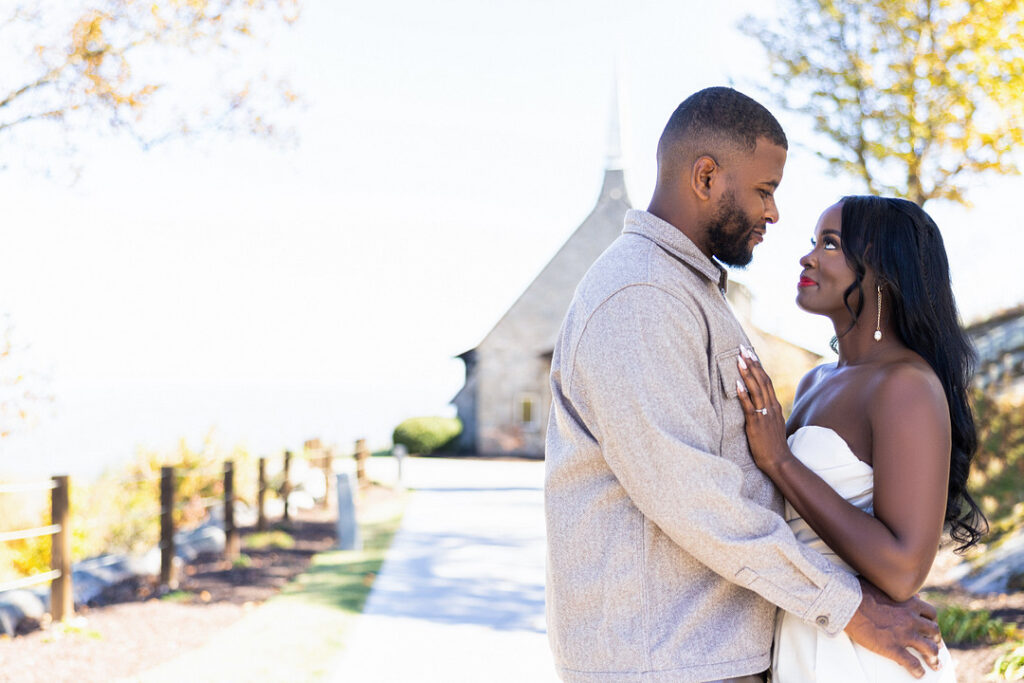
(715,122)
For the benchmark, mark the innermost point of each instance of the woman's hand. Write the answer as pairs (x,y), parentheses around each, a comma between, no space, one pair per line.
(766,427)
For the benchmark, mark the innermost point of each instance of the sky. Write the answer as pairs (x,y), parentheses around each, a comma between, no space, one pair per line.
(444,152)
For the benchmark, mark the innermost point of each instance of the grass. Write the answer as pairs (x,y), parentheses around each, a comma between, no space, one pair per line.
(298,634)
(342,579)
(242,561)
(70,629)
(262,540)
(177,596)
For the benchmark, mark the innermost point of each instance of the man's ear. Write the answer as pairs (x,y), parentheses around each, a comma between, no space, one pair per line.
(703,175)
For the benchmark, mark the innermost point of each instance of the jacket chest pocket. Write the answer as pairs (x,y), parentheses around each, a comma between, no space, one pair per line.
(728,372)
(734,435)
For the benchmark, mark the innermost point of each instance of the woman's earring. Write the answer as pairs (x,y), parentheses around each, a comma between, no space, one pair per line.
(878,320)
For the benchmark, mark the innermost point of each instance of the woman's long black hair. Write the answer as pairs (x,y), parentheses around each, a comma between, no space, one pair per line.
(903,246)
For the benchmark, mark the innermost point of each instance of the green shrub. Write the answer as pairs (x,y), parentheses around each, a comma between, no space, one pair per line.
(964,626)
(997,474)
(425,435)
(177,596)
(119,511)
(1010,665)
(243,561)
(261,540)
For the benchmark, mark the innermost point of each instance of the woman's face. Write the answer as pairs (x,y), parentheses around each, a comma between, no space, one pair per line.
(826,274)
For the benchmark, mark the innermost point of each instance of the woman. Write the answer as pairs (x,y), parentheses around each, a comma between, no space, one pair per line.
(873,462)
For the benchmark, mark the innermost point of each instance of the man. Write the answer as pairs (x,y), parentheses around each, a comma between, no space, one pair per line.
(667,555)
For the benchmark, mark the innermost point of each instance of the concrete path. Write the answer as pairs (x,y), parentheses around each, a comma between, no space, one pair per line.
(461,594)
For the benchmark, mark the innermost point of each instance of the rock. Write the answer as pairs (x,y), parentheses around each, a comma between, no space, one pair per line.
(203,539)
(89,578)
(274,508)
(10,617)
(107,568)
(314,483)
(244,515)
(19,610)
(1002,567)
(144,565)
(85,585)
(25,604)
(300,500)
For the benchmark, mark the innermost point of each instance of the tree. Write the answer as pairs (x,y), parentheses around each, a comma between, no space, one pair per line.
(916,95)
(23,390)
(151,69)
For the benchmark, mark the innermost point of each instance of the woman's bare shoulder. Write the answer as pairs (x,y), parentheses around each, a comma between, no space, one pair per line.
(906,387)
(813,377)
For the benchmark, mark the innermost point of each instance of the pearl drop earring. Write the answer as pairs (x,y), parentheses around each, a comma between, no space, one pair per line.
(878,320)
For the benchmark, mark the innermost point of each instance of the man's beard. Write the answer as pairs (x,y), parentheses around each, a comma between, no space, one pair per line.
(729,233)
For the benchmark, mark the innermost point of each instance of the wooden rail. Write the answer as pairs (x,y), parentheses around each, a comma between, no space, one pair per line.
(59,529)
(29,533)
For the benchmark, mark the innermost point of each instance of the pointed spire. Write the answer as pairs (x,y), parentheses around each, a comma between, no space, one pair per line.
(614,161)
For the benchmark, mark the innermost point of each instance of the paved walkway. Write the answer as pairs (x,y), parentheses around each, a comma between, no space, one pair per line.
(461,594)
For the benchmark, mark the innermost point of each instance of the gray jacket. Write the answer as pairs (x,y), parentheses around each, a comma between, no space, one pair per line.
(667,554)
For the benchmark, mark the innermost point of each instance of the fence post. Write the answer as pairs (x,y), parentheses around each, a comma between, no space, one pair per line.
(167,577)
(62,604)
(362,453)
(328,465)
(317,455)
(286,489)
(230,532)
(261,496)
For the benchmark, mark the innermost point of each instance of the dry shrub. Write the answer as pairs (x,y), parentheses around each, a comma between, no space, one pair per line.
(120,510)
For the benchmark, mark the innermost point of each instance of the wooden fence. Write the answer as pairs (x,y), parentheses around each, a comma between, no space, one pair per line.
(59,529)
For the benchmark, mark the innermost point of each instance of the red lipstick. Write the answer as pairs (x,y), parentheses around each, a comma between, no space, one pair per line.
(806,282)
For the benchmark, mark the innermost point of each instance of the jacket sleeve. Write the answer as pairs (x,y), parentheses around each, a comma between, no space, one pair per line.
(642,380)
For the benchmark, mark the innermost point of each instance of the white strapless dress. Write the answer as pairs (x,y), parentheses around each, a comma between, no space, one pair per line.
(804,653)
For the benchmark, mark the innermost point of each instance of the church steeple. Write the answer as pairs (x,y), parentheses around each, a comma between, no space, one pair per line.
(614,160)
(614,185)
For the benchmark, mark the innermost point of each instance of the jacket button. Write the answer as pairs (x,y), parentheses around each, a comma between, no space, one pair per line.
(822,621)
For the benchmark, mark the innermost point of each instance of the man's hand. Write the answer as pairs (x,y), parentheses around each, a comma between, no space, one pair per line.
(889,628)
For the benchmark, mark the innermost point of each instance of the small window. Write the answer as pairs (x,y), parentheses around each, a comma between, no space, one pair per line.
(526,410)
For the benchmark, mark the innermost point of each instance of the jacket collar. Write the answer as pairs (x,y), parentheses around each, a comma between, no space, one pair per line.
(672,240)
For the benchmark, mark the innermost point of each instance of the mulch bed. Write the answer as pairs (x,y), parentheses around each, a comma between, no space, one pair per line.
(210,578)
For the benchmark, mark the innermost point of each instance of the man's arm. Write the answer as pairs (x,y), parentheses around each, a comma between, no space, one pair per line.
(640,376)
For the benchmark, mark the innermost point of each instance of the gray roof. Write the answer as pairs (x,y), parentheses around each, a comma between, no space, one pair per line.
(533,321)
(999,334)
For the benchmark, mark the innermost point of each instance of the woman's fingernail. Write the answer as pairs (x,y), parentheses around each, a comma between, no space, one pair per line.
(739,386)
(741,363)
